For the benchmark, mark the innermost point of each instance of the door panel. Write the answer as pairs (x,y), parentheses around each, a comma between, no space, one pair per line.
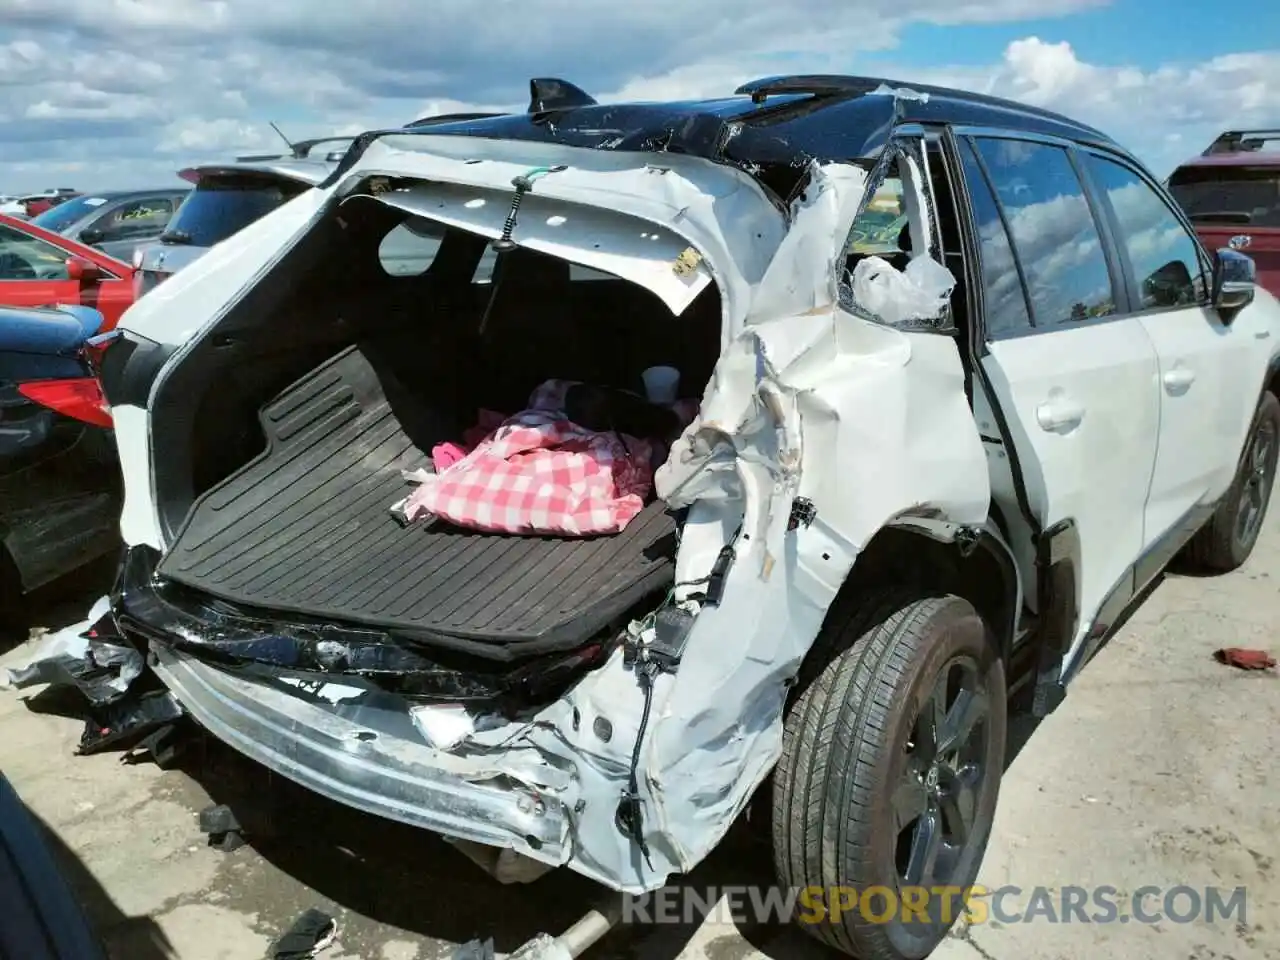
(1075,380)
(1084,411)
(1207,385)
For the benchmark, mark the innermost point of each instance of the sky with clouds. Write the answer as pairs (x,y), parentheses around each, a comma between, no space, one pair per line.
(97,94)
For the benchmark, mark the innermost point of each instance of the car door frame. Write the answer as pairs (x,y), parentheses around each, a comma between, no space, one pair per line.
(1165,545)
(1057,548)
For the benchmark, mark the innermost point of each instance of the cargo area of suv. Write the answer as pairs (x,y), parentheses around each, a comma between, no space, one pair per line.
(298,428)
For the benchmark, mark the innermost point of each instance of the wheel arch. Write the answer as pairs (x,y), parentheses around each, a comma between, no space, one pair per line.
(941,555)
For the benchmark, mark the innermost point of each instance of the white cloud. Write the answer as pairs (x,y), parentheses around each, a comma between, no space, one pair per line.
(126,91)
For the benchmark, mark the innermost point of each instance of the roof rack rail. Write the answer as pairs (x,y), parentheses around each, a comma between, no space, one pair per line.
(1241,141)
(449,118)
(817,84)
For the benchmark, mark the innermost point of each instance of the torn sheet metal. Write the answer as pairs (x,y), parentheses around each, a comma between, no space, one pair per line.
(803,274)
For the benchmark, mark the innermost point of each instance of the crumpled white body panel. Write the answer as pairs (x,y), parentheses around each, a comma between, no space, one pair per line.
(865,421)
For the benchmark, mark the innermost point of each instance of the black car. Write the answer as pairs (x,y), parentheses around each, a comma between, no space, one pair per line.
(60,483)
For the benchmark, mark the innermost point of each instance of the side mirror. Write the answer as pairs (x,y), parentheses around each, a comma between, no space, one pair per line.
(1234,278)
(91,235)
(82,270)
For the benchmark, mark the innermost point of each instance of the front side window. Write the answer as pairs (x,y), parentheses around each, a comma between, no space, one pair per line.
(1055,237)
(65,214)
(136,218)
(23,257)
(1163,256)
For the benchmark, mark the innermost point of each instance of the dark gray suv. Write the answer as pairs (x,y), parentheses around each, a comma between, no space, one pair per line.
(115,222)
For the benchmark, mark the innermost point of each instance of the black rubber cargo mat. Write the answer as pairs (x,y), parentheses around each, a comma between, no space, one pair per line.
(307,528)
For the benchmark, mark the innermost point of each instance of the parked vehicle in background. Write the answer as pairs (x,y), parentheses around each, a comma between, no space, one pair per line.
(116,222)
(39,268)
(921,487)
(59,482)
(227,197)
(30,205)
(1231,192)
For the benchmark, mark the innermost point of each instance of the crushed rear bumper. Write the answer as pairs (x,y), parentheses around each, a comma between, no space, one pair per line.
(367,756)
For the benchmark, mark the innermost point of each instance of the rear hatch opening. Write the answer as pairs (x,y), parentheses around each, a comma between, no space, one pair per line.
(293,424)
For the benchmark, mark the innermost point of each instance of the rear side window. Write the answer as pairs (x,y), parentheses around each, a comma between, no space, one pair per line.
(1004,305)
(221,206)
(409,248)
(1229,196)
(1055,237)
(1164,258)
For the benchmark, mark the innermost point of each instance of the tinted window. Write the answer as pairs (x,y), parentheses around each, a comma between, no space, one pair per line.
(221,206)
(1003,301)
(1054,234)
(1229,195)
(65,214)
(1163,256)
(23,257)
(137,218)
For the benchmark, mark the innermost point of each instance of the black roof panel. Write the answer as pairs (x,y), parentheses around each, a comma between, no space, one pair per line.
(774,124)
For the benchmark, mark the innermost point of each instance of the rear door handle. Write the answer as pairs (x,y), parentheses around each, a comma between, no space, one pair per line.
(1179,379)
(1059,415)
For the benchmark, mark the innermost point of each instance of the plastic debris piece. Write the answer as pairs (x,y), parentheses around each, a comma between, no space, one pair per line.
(312,932)
(920,292)
(1244,659)
(124,723)
(224,830)
(163,745)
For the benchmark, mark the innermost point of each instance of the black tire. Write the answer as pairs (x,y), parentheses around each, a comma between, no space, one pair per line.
(1227,540)
(846,758)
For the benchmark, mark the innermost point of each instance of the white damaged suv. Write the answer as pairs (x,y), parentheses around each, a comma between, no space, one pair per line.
(966,383)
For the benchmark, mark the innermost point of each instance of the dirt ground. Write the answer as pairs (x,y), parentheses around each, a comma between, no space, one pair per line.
(1159,770)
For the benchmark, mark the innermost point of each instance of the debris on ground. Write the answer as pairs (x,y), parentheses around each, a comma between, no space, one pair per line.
(223,829)
(85,656)
(1244,659)
(310,933)
(125,722)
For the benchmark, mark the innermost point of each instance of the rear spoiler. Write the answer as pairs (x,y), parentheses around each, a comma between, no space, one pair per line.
(1242,141)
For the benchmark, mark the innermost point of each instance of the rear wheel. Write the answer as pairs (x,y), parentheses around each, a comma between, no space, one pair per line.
(1226,541)
(891,763)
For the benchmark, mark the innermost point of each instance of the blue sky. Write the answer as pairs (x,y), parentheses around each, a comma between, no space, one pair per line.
(110,93)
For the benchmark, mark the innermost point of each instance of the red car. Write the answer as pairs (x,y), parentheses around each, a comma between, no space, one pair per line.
(1231,193)
(39,268)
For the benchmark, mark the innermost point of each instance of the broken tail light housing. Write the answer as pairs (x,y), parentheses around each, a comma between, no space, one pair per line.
(78,397)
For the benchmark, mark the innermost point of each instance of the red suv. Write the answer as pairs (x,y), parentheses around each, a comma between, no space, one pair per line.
(1231,192)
